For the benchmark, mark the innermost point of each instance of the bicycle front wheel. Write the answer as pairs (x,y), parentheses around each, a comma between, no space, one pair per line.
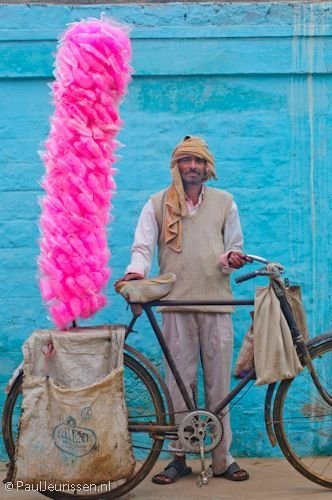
(145,407)
(303,419)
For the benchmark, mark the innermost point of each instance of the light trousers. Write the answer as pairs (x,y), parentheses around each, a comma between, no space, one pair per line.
(210,337)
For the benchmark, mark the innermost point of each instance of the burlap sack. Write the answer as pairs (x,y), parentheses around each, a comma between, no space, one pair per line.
(274,353)
(245,360)
(73,427)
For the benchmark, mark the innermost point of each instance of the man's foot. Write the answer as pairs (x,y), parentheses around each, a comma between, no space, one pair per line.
(234,473)
(172,472)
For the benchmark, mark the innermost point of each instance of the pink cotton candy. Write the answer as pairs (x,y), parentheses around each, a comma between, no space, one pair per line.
(87,203)
(61,314)
(85,307)
(92,71)
(46,290)
(61,291)
(75,306)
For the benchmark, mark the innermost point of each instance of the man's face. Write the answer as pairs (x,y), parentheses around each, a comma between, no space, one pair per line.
(192,170)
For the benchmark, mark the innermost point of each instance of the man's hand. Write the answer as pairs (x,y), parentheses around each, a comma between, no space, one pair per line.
(136,309)
(237,260)
(128,277)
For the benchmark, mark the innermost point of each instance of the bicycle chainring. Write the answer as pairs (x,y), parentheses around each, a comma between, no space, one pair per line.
(197,426)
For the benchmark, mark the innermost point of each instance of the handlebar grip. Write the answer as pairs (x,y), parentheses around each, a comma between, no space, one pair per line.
(246,277)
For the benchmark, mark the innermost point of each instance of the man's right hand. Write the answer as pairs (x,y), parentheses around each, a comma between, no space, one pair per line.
(128,277)
(237,260)
(136,309)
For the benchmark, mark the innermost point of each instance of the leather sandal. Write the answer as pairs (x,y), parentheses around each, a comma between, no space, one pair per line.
(232,471)
(172,472)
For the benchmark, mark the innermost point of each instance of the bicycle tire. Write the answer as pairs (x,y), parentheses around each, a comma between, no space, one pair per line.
(142,378)
(303,419)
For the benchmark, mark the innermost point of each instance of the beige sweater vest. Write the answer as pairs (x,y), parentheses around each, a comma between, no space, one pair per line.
(198,273)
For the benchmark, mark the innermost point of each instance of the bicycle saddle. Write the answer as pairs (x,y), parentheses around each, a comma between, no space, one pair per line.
(146,290)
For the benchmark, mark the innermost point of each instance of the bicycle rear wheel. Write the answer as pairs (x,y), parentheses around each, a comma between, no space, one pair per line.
(139,386)
(303,419)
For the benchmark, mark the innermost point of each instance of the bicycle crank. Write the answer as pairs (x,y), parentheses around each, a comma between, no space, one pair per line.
(200,432)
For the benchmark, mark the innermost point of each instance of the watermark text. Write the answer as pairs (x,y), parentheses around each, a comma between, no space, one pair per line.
(43,486)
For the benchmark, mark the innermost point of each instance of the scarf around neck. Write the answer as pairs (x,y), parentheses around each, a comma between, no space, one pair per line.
(175,204)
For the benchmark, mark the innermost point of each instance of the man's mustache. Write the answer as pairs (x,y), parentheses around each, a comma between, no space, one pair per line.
(193,170)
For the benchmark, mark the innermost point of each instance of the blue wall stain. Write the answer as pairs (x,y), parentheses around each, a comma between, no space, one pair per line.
(254,79)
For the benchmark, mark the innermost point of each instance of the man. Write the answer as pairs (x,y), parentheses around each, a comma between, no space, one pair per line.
(199,238)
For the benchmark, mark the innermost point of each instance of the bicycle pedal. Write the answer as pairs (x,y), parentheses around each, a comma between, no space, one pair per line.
(199,483)
(204,477)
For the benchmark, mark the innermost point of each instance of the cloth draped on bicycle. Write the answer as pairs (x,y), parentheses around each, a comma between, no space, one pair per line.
(74,425)
(275,356)
(143,291)
(245,359)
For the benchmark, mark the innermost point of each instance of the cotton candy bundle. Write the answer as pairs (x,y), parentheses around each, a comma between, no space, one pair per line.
(92,73)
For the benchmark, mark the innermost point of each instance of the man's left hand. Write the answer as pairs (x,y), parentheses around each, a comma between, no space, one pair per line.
(236,260)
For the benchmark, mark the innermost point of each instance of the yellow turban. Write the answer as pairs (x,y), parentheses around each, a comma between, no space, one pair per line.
(175,204)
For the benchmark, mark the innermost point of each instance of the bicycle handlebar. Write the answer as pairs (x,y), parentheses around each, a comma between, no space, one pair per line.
(248,276)
(258,272)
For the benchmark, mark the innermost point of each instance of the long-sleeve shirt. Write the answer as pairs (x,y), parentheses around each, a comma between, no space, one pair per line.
(147,233)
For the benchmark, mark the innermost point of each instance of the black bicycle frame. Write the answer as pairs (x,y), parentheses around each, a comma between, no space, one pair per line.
(297,337)
(177,303)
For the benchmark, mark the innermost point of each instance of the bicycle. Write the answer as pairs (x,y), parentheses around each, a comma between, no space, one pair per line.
(298,411)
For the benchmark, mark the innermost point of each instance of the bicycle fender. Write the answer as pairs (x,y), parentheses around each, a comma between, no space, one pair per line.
(268,414)
(320,339)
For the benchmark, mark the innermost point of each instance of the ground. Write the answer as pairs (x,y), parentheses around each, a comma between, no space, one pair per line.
(271,479)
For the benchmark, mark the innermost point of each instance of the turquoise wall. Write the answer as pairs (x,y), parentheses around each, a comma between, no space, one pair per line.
(254,79)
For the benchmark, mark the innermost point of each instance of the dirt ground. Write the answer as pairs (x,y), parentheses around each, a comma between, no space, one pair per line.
(270,479)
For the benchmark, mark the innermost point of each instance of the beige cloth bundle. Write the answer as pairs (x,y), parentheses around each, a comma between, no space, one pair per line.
(274,355)
(274,352)
(146,290)
(245,359)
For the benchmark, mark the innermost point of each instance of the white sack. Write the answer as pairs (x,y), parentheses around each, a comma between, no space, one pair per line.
(275,356)
(74,422)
